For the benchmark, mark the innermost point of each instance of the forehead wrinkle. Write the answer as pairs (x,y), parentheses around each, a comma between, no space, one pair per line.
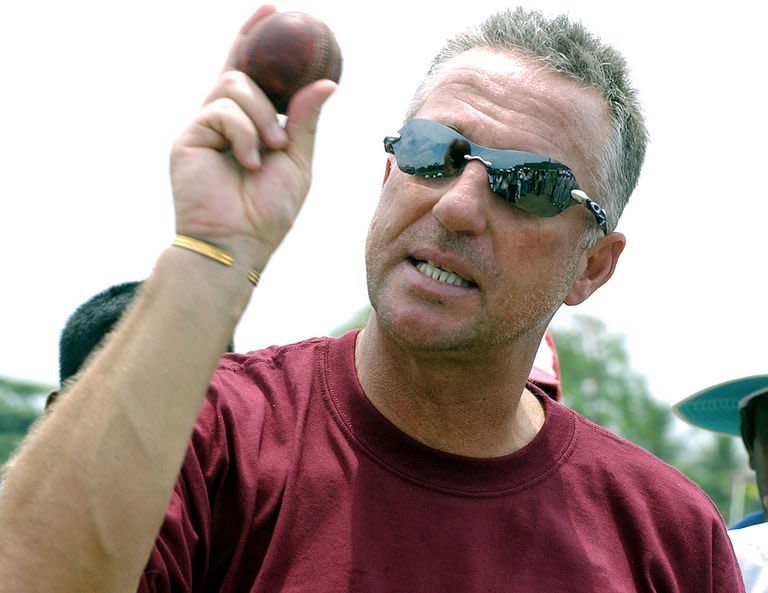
(577,123)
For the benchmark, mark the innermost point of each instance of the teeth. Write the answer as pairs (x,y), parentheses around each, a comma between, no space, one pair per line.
(441,274)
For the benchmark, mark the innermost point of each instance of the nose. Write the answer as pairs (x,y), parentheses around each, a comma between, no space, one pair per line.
(462,208)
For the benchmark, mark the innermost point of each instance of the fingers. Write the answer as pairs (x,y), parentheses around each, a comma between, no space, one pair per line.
(261,12)
(221,126)
(237,116)
(304,109)
(240,89)
(239,176)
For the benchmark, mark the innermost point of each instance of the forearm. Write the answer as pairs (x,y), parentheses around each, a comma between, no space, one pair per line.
(125,426)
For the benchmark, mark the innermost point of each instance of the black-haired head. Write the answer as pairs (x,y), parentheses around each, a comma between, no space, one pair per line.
(90,322)
(88,325)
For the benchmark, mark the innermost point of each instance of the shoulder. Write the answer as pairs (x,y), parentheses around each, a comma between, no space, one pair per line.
(258,398)
(248,388)
(241,379)
(276,379)
(645,496)
(627,467)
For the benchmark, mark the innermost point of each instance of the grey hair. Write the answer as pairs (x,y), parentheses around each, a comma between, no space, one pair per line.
(566,47)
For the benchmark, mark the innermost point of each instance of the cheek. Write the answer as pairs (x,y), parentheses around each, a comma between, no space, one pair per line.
(537,247)
(387,224)
(401,204)
(381,221)
(540,266)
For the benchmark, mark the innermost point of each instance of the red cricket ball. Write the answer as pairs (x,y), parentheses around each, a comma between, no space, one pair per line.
(286,51)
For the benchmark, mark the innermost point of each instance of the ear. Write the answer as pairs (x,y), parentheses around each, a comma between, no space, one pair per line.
(600,263)
(387,171)
(51,399)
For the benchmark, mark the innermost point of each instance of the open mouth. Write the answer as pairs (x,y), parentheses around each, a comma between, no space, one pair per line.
(441,274)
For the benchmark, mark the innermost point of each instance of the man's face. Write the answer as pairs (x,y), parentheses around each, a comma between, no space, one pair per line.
(758,455)
(516,269)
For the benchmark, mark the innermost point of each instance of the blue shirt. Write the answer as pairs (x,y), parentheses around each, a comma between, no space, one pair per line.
(754,518)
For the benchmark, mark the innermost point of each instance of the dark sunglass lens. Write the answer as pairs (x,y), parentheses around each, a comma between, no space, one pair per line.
(504,183)
(532,182)
(537,204)
(539,188)
(428,149)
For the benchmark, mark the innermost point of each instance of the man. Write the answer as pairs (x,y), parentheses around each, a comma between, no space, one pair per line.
(737,408)
(413,455)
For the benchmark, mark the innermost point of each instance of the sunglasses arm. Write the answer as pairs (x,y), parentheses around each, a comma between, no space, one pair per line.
(389,141)
(597,211)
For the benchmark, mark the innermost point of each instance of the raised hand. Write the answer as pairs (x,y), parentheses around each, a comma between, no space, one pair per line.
(239,178)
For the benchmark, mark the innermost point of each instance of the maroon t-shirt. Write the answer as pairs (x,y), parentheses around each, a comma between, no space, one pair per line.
(295,483)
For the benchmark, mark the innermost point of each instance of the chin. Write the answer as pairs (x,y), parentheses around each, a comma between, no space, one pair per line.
(416,331)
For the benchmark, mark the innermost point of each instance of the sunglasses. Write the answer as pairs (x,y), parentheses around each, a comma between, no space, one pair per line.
(532,182)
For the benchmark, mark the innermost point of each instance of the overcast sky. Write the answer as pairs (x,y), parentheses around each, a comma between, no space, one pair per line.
(95,92)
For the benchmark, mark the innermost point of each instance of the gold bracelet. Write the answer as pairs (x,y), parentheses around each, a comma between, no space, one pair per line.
(212,252)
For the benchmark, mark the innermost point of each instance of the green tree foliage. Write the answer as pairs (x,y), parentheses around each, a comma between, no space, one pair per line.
(599,383)
(19,408)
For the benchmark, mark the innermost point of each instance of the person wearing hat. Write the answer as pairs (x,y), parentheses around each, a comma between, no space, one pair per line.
(740,408)
(736,408)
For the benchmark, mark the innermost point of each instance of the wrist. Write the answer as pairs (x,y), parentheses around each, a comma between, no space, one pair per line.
(200,285)
(214,253)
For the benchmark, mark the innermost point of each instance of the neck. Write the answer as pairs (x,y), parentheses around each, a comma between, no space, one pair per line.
(463,403)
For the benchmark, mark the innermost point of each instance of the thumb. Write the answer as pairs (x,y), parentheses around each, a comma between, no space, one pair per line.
(304,113)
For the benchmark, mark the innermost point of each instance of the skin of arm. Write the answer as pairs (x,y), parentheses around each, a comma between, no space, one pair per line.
(86,493)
